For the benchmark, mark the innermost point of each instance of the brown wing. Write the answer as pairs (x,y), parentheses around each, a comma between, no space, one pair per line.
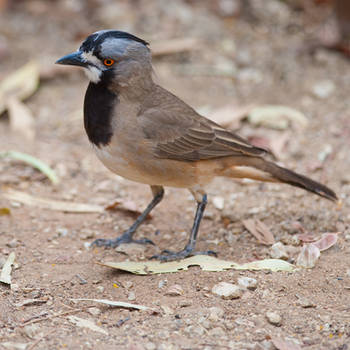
(178,132)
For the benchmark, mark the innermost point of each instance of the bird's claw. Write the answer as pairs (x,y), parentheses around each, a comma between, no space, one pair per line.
(168,255)
(123,239)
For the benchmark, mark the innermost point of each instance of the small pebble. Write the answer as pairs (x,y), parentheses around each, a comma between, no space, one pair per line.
(185,303)
(131,296)
(14,287)
(323,89)
(304,302)
(219,202)
(167,310)
(95,311)
(227,290)
(278,251)
(31,330)
(14,243)
(274,318)
(162,283)
(217,332)
(150,346)
(100,289)
(215,314)
(128,284)
(174,291)
(62,232)
(194,331)
(248,282)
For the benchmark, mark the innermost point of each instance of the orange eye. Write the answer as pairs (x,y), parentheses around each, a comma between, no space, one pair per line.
(108,62)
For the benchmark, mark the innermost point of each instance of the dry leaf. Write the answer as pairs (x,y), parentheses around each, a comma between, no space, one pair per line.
(51,204)
(207,263)
(307,237)
(327,240)
(128,206)
(277,117)
(82,322)
(5,276)
(5,211)
(21,118)
(282,344)
(308,256)
(260,231)
(21,84)
(116,303)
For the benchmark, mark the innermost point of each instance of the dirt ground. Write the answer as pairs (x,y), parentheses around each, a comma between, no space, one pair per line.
(256,58)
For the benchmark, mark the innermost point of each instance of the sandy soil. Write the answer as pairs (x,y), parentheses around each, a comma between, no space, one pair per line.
(264,61)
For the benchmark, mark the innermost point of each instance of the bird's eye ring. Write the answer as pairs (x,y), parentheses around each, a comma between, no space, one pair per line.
(108,62)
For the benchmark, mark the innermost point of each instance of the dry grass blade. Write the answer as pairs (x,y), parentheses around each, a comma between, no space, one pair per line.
(5,276)
(121,304)
(260,231)
(21,118)
(21,84)
(34,162)
(50,204)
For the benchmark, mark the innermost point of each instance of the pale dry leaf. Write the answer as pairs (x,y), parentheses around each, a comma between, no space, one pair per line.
(21,118)
(282,344)
(84,323)
(45,203)
(260,231)
(121,304)
(21,84)
(307,237)
(277,117)
(207,263)
(327,240)
(5,276)
(308,256)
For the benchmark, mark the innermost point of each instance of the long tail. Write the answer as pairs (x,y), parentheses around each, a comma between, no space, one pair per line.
(261,169)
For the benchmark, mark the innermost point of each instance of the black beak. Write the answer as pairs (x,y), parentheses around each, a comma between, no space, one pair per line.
(73,59)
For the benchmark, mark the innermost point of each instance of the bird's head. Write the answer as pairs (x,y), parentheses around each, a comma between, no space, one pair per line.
(112,54)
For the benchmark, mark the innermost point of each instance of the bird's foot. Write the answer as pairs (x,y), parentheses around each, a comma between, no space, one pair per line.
(125,238)
(168,255)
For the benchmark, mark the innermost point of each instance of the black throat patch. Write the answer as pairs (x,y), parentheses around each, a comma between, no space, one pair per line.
(98,107)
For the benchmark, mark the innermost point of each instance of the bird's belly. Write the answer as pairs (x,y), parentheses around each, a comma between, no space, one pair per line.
(143,169)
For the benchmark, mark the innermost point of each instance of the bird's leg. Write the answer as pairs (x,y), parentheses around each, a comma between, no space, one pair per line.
(127,236)
(168,255)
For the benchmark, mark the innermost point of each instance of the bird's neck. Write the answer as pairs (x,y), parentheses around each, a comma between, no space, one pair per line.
(98,110)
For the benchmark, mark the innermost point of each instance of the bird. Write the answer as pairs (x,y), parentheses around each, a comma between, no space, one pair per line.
(146,134)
